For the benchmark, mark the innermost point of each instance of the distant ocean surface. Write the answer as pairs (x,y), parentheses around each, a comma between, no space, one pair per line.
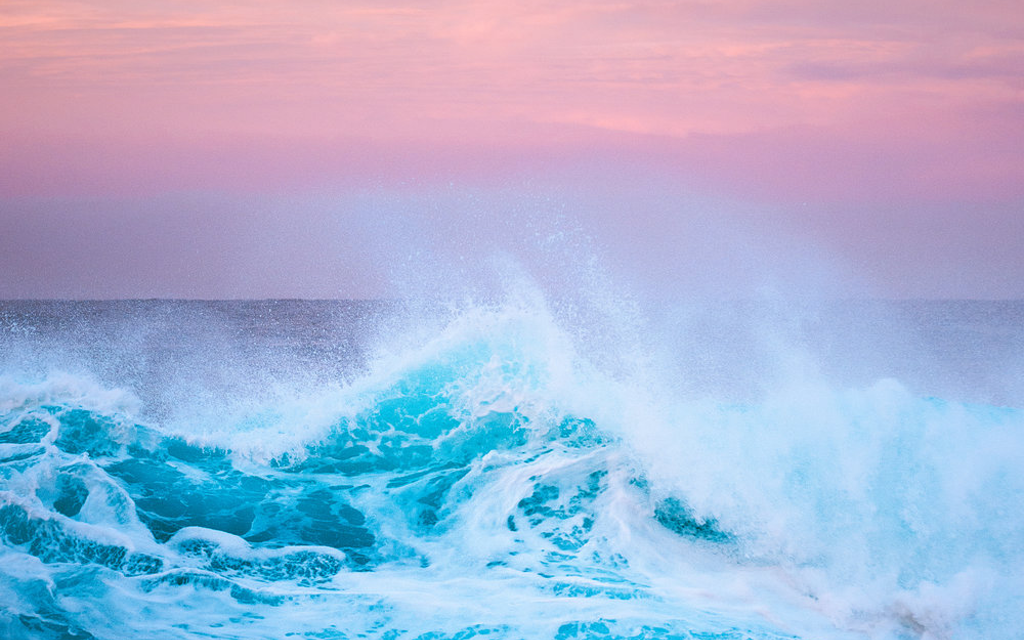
(519,468)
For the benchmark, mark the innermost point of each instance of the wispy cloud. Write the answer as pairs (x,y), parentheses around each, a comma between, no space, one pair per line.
(476,73)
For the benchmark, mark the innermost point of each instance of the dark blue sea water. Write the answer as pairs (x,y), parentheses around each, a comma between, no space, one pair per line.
(510,469)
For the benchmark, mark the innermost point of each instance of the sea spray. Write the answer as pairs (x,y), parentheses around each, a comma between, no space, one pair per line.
(495,474)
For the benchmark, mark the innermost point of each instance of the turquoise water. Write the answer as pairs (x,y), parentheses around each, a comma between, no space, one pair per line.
(347,470)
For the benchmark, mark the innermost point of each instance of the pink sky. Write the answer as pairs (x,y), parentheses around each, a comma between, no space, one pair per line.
(912,102)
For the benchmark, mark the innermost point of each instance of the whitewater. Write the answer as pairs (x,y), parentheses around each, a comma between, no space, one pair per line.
(507,468)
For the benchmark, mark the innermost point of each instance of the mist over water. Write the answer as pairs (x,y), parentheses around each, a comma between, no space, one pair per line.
(523,442)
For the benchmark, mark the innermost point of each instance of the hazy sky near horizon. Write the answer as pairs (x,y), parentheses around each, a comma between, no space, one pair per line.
(268,149)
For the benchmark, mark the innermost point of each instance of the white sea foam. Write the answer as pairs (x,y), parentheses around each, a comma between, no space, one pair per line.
(491,475)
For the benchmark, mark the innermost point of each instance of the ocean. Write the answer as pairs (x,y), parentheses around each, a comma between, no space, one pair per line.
(516,467)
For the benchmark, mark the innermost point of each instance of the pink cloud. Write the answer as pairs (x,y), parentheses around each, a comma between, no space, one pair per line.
(797,97)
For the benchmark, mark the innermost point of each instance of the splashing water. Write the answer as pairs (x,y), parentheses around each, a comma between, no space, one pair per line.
(491,478)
